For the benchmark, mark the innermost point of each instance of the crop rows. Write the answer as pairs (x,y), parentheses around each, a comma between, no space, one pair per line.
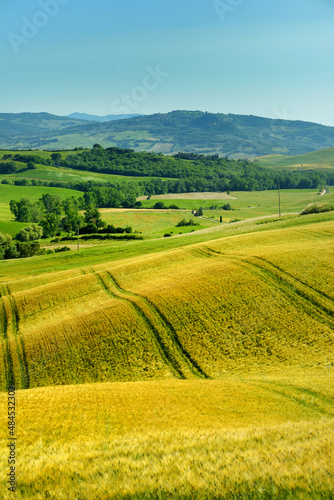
(231,305)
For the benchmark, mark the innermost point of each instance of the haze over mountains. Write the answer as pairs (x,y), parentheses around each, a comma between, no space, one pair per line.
(236,136)
(96,118)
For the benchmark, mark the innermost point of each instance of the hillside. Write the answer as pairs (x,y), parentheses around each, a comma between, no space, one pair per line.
(237,136)
(199,366)
(25,127)
(196,312)
(321,160)
(250,438)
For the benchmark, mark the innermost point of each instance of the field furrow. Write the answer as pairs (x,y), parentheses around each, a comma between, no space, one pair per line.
(313,303)
(167,342)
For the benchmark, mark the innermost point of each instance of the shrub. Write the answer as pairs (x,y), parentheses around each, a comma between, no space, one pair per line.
(316,208)
(159,205)
(190,222)
(28,249)
(30,233)
(61,249)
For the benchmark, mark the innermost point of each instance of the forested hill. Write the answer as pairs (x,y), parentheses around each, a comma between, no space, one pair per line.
(237,136)
(190,171)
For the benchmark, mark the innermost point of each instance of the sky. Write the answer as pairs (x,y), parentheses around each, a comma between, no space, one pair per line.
(271,58)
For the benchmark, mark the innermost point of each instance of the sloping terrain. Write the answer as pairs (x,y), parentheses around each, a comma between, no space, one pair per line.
(204,371)
(322,159)
(237,136)
(250,438)
(235,305)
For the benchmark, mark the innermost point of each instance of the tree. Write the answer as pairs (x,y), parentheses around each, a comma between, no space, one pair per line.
(26,211)
(8,168)
(159,205)
(72,219)
(56,156)
(52,203)
(50,224)
(93,219)
(31,165)
(30,233)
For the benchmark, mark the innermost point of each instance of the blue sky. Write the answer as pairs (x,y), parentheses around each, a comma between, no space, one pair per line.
(269,58)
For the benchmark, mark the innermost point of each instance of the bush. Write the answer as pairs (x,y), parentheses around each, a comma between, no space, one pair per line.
(61,249)
(316,208)
(160,205)
(5,238)
(190,222)
(30,233)
(28,249)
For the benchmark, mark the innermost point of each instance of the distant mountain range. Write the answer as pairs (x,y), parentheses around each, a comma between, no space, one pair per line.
(96,118)
(235,136)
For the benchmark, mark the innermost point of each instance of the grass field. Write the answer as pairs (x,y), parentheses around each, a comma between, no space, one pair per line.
(7,192)
(322,159)
(154,223)
(199,311)
(247,439)
(197,366)
(247,205)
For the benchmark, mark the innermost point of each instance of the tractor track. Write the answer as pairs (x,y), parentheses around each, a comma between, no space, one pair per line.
(175,356)
(11,336)
(313,303)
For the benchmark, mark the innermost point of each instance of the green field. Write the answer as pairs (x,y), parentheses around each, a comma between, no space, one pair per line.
(199,366)
(250,204)
(316,160)
(154,223)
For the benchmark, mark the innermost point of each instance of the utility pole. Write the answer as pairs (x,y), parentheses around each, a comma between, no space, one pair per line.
(78,238)
(279,199)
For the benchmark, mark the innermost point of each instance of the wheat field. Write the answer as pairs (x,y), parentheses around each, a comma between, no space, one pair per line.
(204,371)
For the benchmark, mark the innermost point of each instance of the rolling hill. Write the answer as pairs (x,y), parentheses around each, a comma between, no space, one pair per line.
(237,136)
(196,312)
(198,366)
(322,159)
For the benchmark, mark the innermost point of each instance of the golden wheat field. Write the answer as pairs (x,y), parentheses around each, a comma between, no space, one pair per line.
(204,371)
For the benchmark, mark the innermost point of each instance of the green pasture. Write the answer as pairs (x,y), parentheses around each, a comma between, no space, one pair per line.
(115,250)
(322,159)
(155,224)
(249,204)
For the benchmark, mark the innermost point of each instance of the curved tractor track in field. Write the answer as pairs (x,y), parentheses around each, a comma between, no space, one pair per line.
(14,346)
(313,302)
(314,402)
(171,350)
